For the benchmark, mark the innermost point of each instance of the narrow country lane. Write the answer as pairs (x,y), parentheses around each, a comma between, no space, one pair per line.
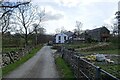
(40,66)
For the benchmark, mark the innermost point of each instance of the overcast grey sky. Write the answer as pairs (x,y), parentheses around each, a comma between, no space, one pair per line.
(64,13)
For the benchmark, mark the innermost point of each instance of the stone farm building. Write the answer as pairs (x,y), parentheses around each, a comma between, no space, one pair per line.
(98,34)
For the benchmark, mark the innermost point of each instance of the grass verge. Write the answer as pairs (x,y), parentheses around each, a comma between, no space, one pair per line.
(63,68)
(13,66)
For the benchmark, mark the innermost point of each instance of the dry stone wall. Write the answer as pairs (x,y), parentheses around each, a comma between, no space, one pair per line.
(11,57)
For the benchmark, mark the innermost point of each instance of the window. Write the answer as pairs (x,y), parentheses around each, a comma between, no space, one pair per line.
(59,37)
(59,41)
(64,37)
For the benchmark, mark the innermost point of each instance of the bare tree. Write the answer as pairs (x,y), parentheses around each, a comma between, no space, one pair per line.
(115,29)
(37,26)
(38,30)
(118,19)
(60,30)
(5,23)
(79,27)
(5,17)
(57,31)
(6,9)
(63,30)
(10,5)
(25,15)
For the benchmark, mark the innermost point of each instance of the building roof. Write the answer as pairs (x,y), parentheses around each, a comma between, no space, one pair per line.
(69,33)
(98,29)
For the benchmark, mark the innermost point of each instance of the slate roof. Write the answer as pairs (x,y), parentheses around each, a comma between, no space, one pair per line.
(69,33)
(98,29)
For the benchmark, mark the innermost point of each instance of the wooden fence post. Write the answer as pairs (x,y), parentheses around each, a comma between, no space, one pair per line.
(78,67)
(97,73)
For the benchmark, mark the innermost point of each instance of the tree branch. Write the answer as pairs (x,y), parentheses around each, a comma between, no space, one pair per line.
(14,6)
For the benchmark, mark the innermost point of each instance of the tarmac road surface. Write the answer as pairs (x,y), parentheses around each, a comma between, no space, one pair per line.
(39,66)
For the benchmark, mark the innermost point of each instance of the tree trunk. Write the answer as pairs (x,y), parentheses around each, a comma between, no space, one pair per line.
(36,37)
(26,37)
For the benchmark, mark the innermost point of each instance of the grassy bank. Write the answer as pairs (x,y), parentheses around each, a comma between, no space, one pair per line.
(13,66)
(63,68)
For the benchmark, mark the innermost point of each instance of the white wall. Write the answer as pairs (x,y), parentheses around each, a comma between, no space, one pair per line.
(62,38)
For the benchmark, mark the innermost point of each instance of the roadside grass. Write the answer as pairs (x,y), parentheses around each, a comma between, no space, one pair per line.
(63,68)
(13,66)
